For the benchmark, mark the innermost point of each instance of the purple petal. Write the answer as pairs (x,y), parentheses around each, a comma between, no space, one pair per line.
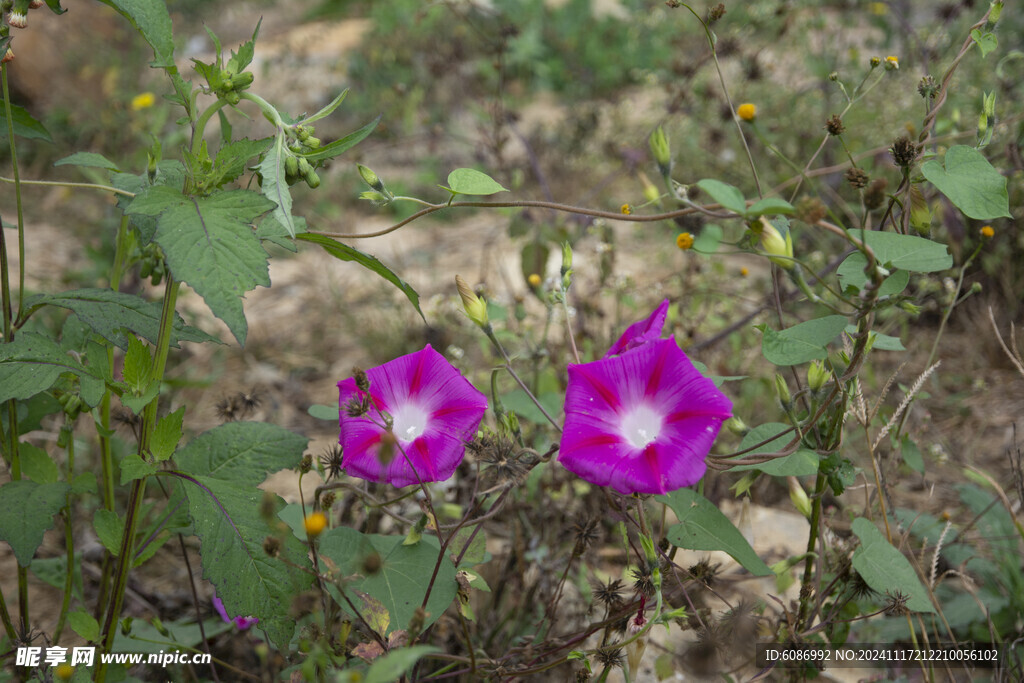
(640,333)
(642,422)
(241,623)
(435,410)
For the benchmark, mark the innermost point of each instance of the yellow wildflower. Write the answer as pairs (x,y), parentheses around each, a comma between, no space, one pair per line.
(315,524)
(626,209)
(746,111)
(744,272)
(64,671)
(143,101)
(892,63)
(988,232)
(684,241)
(878,8)
(534,280)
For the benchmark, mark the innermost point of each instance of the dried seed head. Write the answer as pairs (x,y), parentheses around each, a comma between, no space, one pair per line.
(904,151)
(874,196)
(609,594)
(331,460)
(896,604)
(927,87)
(587,532)
(704,572)
(610,657)
(834,125)
(810,210)
(857,178)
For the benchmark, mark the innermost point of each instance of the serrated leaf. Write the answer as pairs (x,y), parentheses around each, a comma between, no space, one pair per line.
(770,206)
(801,343)
(37,465)
(32,363)
(907,252)
(347,253)
(885,569)
(405,570)
(134,467)
(29,510)
(851,274)
(246,51)
(166,435)
(275,185)
(209,244)
(472,182)
(109,528)
(226,518)
(137,362)
(109,314)
(242,452)
(342,145)
(702,526)
(800,463)
(87,159)
(25,126)
(151,19)
(85,625)
(728,196)
(170,173)
(136,401)
(232,158)
(970,182)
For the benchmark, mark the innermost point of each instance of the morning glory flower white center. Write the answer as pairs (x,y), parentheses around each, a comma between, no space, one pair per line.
(641,425)
(410,421)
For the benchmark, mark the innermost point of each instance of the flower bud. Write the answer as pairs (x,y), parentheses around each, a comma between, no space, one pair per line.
(747,111)
(799,497)
(737,426)
(779,248)
(661,151)
(817,375)
(566,266)
(892,63)
(370,178)
(476,308)
(782,390)
(315,524)
(912,309)
(8,56)
(16,19)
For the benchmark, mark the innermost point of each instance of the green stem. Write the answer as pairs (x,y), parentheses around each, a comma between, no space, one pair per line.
(806,591)
(522,385)
(69,537)
(61,183)
(136,495)
(17,192)
(199,128)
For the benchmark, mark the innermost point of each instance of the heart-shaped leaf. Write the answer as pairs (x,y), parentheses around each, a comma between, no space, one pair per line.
(970,182)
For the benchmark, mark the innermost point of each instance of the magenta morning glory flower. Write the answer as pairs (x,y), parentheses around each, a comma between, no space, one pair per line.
(642,421)
(241,623)
(642,332)
(435,411)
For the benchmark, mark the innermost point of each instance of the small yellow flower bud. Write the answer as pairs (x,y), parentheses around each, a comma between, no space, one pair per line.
(64,671)
(746,111)
(476,308)
(143,101)
(892,63)
(661,151)
(744,272)
(315,524)
(817,375)
(684,240)
(534,280)
(626,209)
(875,61)
(651,193)
(988,232)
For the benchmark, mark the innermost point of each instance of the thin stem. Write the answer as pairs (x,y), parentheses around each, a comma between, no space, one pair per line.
(62,183)
(17,191)
(522,385)
(69,537)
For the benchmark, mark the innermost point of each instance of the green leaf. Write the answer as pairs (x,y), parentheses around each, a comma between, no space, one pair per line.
(703,527)
(885,569)
(728,196)
(24,125)
(322,412)
(137,363)
(32,363)
(401,581)
(85,625)
(342,145)
(907,252)
(397,663)
(109,529)
(347,253)
(166,435)
(169,173)
(801,343)
(707,241)
(275,185)
(134,467)
(970,182)
(987,42)
(29,510)
(87,159)
(329,109)
(110,313)
(226,518)
(151,19)
(800,463)
(470,181)
(246,51)
(242,452)
(911,454)
(883,342)
(55,7)
(37,465)
(770,206)
(851,274)
(209,244)
(231,161)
